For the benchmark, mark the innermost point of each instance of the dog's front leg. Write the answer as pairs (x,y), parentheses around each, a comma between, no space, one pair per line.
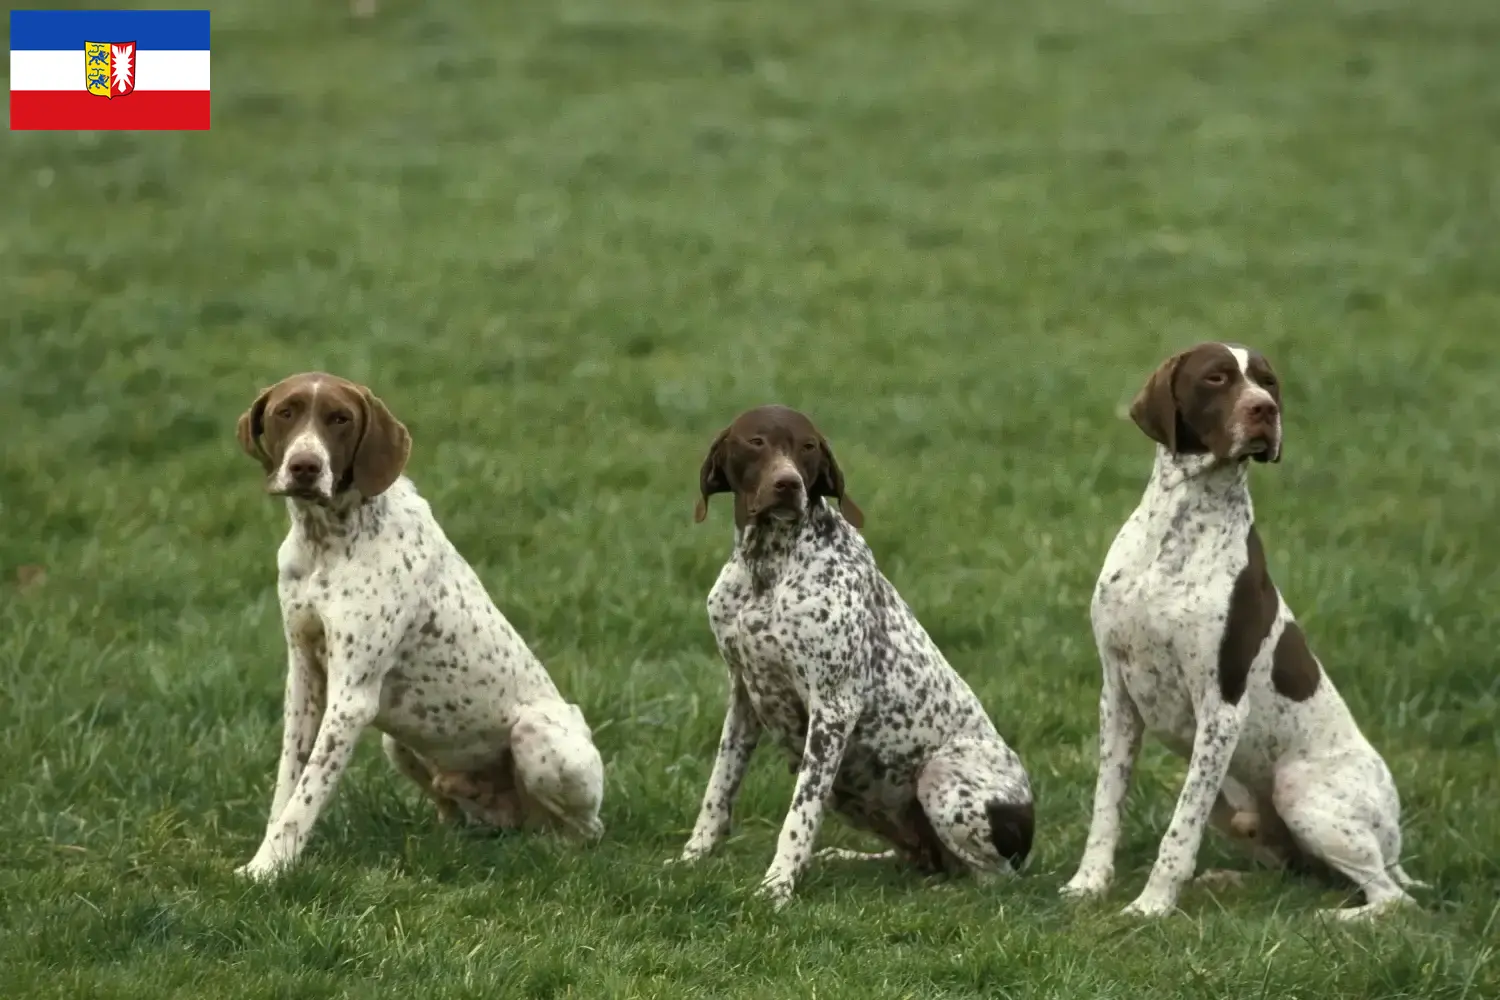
(301,713)
(354,681)
(1219,726)
(737,741)
(1120,729)
(830,722)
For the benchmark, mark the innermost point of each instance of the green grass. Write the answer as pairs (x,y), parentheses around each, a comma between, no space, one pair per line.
(567,242)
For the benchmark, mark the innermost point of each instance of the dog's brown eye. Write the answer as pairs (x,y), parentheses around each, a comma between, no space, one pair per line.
(757,442)
(809,445)
(338,418)
(285,413)
(1217,378)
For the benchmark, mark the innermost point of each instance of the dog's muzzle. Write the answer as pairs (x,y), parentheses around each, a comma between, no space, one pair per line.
(1262,443)
(303,476)
(782,496)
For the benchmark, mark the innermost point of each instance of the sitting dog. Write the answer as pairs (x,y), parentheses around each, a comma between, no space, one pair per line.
(823,653)
(386,625)
(1198,646)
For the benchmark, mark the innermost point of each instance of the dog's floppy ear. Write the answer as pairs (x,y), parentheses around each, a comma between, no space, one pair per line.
(830,483)
(380,457)
(1154,408)
(711,477)
(252,424)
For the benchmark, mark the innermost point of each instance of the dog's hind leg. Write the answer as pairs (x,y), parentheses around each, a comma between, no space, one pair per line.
(558,767)
(1345,812)
(975,795)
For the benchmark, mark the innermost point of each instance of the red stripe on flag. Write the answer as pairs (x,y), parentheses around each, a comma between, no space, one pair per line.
(78,109)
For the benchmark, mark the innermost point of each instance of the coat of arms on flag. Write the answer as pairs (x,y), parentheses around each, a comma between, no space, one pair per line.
(109,68)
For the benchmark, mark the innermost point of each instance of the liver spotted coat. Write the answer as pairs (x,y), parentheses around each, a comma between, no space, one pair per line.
(386,625)
(825,657)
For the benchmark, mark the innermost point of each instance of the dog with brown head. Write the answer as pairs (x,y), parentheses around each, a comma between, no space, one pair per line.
(777,464)
(823,653)
(1213,399)
(319,436)
(388,627)
(1199,647)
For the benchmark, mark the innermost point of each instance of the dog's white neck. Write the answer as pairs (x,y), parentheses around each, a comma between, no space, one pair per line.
(344,519)
(1204,474)
(1198,489)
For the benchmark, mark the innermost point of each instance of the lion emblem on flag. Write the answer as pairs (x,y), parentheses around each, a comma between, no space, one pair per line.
(109,68)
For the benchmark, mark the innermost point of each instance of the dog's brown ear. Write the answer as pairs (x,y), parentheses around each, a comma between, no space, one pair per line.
(1154,408)
(380,457)
(830,483)
(712,477)
(252,424)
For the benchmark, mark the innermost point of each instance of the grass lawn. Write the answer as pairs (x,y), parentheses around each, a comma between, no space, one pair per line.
(566,242)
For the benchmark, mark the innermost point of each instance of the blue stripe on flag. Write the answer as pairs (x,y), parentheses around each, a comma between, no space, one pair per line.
(56,30)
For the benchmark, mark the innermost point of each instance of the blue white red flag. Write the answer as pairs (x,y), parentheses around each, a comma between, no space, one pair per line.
(109,69)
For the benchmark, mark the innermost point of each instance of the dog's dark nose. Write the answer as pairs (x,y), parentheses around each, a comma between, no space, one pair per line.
(1264,410)
(304,469)
(786,482)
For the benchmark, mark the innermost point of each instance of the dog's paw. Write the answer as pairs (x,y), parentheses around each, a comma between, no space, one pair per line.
(1086,885)
(260,870)
(691,855)
(776,890)
(1148,907)
(1221,878)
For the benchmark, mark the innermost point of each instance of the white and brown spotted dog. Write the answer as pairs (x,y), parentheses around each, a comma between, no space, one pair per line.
(824,654)
(387,626)
(1198,647)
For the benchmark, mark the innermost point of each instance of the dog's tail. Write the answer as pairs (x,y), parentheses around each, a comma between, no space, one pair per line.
(1012,826)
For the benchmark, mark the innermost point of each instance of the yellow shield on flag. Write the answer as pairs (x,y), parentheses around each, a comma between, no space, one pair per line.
(96,68)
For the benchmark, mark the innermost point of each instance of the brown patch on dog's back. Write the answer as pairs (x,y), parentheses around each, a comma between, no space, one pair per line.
(1294,672)
(1252,612)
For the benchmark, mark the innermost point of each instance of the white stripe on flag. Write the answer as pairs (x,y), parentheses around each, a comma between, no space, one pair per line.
(156,69)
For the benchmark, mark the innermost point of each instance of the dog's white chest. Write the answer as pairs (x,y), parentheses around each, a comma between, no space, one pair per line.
(299,582)
(753,634)
(1160,608)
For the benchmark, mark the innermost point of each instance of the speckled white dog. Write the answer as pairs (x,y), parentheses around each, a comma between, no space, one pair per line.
(824,654)
(387,626)
(1198,647)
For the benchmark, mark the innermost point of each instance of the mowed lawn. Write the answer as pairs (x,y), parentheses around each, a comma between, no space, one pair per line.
(567,242)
